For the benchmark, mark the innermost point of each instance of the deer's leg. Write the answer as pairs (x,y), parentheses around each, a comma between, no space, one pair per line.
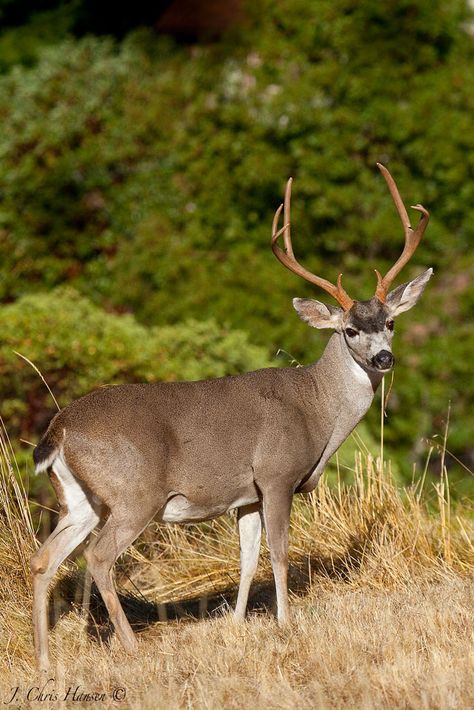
(71,530)
(276,516)
(250,532)
(119,531)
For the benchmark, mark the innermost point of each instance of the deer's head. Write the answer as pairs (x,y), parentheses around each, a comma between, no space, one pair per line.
(366,326)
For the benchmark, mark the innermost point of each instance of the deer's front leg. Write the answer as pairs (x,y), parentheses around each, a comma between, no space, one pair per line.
(276,515)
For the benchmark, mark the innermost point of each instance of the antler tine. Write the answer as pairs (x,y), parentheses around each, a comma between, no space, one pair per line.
(287,257)
(412,236)
(287,219)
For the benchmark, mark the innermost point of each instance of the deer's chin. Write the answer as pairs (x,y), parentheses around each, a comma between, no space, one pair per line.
(379,370)
(369,367)
(373,368)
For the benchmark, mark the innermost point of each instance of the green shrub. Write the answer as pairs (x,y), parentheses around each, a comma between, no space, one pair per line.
(77,346)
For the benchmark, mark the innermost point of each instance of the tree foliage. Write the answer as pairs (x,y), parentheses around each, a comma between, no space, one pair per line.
(145,174)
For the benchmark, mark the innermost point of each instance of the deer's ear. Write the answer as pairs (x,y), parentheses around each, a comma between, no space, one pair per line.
(405,296)
(318,314)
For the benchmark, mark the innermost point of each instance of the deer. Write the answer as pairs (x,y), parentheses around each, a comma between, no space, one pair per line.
(184,452)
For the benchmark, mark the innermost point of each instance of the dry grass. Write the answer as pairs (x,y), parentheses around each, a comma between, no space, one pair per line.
(16,546)
(404,648)
(382,598)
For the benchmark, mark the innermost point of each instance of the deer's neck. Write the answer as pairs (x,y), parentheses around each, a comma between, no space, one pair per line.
(345,390)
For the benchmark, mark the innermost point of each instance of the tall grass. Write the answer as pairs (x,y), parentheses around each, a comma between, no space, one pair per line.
(16,546)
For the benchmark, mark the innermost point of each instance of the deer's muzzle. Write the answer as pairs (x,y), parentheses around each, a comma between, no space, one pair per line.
(384,360)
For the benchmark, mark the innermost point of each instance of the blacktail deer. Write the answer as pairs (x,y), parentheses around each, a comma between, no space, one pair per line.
(190,451)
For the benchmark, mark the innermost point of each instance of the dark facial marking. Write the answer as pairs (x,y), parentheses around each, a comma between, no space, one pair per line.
(368,316)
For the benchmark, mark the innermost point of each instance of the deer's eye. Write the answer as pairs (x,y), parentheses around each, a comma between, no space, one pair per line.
(390,324)
(351,332)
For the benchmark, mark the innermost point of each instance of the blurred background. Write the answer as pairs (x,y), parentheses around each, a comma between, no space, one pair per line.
(143,153)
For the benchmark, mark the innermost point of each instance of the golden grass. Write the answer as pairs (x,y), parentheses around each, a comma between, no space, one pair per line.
(16,546)
(409,647)
(381,594)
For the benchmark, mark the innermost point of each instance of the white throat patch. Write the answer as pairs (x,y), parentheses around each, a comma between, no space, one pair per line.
(359,373)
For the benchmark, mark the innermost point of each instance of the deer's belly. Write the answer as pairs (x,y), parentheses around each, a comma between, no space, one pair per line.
(179,509)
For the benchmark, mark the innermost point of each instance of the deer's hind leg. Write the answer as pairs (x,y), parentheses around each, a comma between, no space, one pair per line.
(119,531)
(250,533)
(77,519)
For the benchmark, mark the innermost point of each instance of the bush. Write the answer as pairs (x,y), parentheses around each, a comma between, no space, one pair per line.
(79,347)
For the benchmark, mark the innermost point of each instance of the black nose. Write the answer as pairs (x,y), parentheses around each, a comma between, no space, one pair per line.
(384,360)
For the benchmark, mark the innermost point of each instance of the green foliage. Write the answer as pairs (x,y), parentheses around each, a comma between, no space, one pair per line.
(27,26)
(146,175)
(78,346)
(22,44)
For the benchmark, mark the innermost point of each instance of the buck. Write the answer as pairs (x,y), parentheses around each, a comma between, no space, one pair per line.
(190,451)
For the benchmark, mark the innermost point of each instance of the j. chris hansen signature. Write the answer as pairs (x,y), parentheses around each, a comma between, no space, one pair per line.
(49,693)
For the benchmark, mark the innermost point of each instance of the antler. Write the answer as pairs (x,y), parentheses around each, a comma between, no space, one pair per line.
(287,258)
(412,236)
